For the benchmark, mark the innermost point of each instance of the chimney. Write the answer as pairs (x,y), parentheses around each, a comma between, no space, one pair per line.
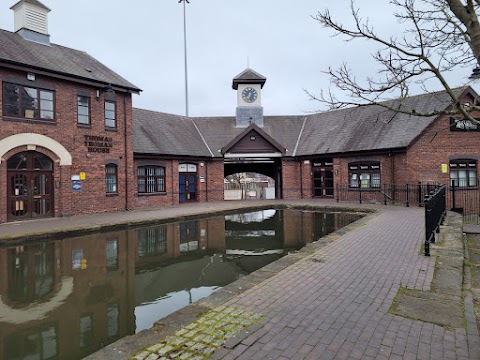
(31,21)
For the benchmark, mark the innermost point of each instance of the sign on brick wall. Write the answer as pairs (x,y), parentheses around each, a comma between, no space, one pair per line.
(98,144)
(463,125)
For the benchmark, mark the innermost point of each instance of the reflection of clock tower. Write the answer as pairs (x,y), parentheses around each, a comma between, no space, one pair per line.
(249,86)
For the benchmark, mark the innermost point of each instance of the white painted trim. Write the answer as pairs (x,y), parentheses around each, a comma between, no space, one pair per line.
(299,137)
(203,139)
(17,140)
(260,155)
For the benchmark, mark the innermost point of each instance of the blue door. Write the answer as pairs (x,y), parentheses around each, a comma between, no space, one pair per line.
(187,187)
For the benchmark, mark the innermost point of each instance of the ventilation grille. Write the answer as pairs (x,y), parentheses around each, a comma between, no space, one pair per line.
(36,21)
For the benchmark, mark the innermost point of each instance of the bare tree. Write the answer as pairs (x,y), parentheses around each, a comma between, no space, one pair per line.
(439,36)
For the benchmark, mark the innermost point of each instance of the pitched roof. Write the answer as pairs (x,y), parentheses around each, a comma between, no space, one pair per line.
(336,132)
(33,2)
(258,131)
(57,60)
(369,128)
(248,76)
(218,132)
(166,134)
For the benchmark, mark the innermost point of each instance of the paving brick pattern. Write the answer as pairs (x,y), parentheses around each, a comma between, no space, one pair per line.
(334,304)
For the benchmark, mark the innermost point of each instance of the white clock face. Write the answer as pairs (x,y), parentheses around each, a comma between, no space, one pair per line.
(249,95)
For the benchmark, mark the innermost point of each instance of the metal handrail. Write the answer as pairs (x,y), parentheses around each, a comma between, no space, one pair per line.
(435,212)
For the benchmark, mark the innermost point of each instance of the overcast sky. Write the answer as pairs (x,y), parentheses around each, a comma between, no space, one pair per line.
(143,42)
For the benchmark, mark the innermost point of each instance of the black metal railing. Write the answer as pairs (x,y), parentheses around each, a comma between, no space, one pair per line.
(466,201)
(435,212)
(387,194)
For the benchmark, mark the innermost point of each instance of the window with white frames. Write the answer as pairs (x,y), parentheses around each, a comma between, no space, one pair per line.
(364,175)
(463,173)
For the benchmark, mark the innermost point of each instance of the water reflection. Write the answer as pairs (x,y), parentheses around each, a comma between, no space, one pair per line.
(66,299)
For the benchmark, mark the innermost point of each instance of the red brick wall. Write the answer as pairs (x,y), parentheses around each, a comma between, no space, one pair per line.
(170,197)
(93,196)
(437,146)
(307,179)
(214,180)
(210,189)
(291,184)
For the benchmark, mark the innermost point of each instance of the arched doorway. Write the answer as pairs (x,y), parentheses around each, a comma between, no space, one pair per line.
(29,186)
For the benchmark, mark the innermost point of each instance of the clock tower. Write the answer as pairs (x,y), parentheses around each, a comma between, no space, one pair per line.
(249,86)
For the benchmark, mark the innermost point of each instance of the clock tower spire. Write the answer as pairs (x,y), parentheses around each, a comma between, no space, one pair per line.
(249,86)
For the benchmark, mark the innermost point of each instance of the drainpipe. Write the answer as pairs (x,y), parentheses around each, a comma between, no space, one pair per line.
(392,167)
(301,182)
(173,179)
(206,181)
(125,148)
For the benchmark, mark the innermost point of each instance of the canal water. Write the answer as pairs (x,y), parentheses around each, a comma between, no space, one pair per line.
(68,298)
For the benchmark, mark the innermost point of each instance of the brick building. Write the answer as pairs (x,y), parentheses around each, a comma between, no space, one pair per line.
(66,142)
(312,156)
(71,142)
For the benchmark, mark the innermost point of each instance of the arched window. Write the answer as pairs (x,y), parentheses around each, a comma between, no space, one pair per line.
(111,178)
(365,175)
(463,173)
(151,179)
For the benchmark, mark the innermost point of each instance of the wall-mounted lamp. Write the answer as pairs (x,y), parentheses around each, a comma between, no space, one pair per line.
(30,76)
(97,96)
(252,137)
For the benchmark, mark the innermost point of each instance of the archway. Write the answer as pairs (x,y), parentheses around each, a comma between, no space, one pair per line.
(248,186)
(32,139)
(256,173)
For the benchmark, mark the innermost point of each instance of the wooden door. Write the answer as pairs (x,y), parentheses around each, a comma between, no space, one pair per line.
(30,186)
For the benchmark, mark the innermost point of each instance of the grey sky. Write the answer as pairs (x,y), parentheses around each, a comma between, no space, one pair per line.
(143,42)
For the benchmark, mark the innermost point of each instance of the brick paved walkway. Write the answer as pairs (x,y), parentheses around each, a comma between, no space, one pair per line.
(334,304)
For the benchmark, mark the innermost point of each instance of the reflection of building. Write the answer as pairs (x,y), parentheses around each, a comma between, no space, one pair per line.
(65,299)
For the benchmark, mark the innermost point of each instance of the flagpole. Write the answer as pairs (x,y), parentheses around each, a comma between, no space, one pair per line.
(185,51)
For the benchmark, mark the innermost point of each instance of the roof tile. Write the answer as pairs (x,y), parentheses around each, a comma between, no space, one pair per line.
(58,59)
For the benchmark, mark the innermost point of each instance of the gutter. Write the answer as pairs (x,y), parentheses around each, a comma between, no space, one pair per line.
(69,77)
